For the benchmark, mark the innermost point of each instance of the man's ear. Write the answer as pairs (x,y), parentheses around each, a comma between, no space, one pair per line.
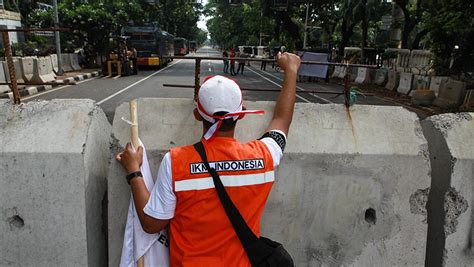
(197,116)
(241,116)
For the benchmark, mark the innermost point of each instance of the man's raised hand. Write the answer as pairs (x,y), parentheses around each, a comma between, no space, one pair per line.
(288,62)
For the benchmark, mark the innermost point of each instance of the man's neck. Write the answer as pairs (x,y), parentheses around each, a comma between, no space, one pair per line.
(221,133)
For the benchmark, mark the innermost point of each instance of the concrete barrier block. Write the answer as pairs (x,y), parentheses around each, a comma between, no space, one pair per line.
(437,82)
(451,94)
(3,79)
(54,62)
(363,75)
(381,77)
(406,83)
(54,157)
(337,70)
(18,72)
(75,61)
(451,199)
(342,73)
(66,62)
(27,65)
(346,193)
(393,80)
(43,70)
(421,82)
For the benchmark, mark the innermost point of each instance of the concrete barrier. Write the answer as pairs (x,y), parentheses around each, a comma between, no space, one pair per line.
(363,75)
(66,62)
(18,72)
(3,79)
(381,77)
(451,94)
(393,80)
(54,158)
(346,193)
(342,72)
(75,62)
(451,198)
(54,62)
(43,71)
(27,66)
(421,82)
(336,72)
(437,82)
(420,61)
(406,83)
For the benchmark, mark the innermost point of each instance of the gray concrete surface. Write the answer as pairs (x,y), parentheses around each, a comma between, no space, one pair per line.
(53,162)
(351,189)
(451,218)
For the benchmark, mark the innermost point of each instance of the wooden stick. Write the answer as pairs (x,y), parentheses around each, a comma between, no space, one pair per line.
(135,143)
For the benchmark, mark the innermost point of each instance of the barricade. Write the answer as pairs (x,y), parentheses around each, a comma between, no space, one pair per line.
(54,62)
(18,72)
(344,195)
(342,72)
(43,70)
(393,80)
(451,197)
(3,79)
(54,158)
(451,94)
(66,62)
(336,72)
(420,61)
(403,58)
(437,82)
(27,66)
(421,82)
(406,83)
(75,62)
(381,77)
(363,75)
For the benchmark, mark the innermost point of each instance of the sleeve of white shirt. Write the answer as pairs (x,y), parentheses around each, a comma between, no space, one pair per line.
(162,202)
(276,148)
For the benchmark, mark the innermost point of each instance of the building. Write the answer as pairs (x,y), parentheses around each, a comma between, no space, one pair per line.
(10,20)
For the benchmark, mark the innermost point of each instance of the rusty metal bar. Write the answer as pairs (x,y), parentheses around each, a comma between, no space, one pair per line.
(11,67)
(36,30)
(197,80)
(269,90)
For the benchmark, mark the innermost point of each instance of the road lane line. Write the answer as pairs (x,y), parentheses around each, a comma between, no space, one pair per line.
(300,97)
(135,83)
(56,89)
(302,89)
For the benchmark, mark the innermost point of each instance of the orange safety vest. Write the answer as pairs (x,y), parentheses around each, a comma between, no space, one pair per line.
(201,234)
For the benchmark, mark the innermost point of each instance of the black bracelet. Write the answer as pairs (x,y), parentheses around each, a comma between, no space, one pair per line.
(132,175)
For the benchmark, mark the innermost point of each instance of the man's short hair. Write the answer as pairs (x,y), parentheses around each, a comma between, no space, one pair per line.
(227,124)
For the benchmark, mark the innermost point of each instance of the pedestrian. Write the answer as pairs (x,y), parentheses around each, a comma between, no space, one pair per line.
(241,62)
(232,62)
(265,55)
(184,196)
(225,55)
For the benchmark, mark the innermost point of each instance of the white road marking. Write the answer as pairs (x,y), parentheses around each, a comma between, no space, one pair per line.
(56,89)
(302,89)
(135,83)
(300,97)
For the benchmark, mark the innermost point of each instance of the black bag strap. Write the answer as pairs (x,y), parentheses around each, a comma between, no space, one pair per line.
(243,231)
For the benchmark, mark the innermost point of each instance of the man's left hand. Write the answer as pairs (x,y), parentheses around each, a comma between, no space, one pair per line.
(130,159)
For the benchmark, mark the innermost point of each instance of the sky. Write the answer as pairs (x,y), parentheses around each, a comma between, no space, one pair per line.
(202,20)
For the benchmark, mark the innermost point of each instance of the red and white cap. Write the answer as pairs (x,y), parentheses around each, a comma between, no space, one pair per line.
(220,94)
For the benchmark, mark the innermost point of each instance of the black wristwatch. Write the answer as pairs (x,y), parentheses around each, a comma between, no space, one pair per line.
(132,175)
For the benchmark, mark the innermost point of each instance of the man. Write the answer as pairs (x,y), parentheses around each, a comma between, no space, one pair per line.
(184,195)
(241,62)
(225,55)
(232,62)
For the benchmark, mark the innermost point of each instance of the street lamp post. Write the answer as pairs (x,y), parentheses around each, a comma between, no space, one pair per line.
(306,27)
(57,37)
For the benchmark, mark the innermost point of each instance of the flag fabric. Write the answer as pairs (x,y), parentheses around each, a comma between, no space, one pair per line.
(137,243)
(318,71)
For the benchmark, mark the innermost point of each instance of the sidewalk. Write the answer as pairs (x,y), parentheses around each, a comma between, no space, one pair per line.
(69,77)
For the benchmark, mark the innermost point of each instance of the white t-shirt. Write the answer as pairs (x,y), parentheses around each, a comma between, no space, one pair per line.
(162,202)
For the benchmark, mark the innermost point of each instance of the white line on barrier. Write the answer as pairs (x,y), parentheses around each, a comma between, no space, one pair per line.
(300,97)
(135,83)
(55,89)
(301,88)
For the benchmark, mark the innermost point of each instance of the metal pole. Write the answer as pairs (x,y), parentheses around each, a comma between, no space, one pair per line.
(306,26)
(57,37)
(11,67)
(197,74)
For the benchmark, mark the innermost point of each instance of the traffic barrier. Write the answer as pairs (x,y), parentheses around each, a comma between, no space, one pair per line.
(381,77)
(451,94)
(66,62)
(43,70)
(54,62)
(344,195)
(27,66)
(452,160)
(54,158)
(363,75)
(420,61)
(3,79)
(342,72)
(406,83)
(403,59)
(18,72)
(437,82)
(336,72)
(393,80)
(75,62)
(421,82)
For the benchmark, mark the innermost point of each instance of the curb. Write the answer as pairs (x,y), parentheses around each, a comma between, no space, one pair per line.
(41,88)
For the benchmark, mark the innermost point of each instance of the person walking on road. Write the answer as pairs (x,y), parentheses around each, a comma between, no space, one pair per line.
(241,62)
(232,62)
(225,55)
(184,196)
(265,55)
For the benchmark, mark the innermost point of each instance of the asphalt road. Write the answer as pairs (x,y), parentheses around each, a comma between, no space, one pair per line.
(109,93)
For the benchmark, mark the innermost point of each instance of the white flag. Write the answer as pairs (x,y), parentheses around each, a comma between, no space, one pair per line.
(137,243)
